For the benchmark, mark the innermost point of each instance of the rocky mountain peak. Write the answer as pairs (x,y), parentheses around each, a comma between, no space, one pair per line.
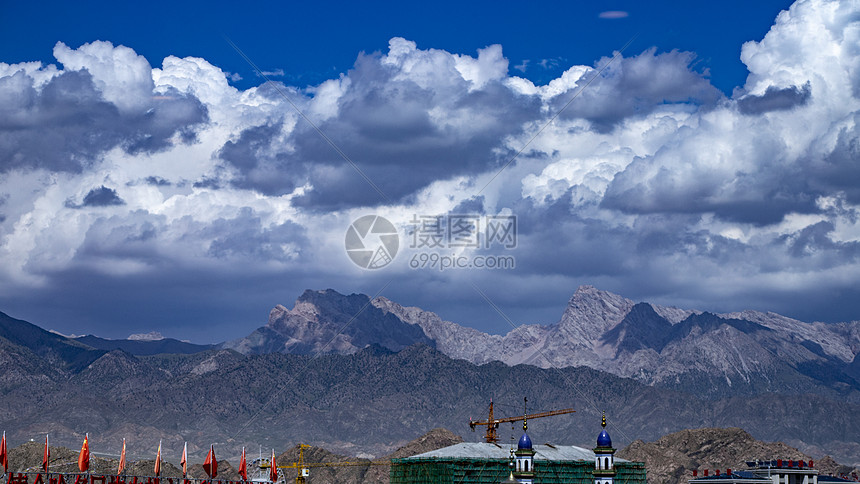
(330,322)
(591,312)
(748,352)
(642,328)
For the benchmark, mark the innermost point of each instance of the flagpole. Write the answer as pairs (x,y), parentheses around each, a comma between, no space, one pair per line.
(87,438)
(121,463)
(157,469)
(184,461)
(4,456)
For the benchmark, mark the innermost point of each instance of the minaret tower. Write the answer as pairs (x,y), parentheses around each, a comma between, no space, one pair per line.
(525,468)
(604,457)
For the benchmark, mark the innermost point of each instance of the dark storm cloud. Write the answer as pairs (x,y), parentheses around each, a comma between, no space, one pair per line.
(68,124)
(695,180)
(262,164)
(132,237)
(207,182)
(157,181)
(474,205)
(98,197)
(670,254)
(557,239)
(136,237)
(245,237)
(775,99)
(816,241)
(839,170)
(636,86)
(385,125)
(102,197)
(755,201)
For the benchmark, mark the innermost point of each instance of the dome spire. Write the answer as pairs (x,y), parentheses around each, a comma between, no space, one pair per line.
(525,414)
(525,441)
(525,472)
(603,439)
(604,456)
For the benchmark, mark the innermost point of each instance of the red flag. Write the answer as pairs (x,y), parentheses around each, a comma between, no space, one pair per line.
(158,460)
(121,466)
(273,471)
(4,458)
(47,455)
(184,460)
(243,466)
(210,465)
(84,456)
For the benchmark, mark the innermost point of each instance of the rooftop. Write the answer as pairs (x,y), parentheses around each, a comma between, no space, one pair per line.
(746,476)
(734,476)
(482,450)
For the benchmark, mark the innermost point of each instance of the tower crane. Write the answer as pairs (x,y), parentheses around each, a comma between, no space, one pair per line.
(493,423)
(303,468)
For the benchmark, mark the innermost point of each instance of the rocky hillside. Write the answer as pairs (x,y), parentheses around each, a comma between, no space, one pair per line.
(371,402)
(27,457)
(672,458)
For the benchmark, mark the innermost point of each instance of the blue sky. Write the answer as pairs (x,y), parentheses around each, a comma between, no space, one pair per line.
(312,42)
(150,179)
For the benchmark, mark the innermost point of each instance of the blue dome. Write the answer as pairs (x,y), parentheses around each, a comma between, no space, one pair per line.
(525,442)
(603,439)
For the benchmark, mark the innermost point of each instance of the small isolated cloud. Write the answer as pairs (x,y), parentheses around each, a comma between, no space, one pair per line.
(274,73)
(234,76)
(522,66)
(613,14)
(549,63)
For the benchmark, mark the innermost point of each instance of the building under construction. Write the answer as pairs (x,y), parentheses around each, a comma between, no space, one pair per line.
(491,463)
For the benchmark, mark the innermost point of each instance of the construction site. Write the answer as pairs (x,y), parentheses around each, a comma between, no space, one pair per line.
(451,461)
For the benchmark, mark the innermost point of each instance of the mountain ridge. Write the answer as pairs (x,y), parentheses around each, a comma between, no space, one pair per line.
(690,350)
(376,399)
(748,369)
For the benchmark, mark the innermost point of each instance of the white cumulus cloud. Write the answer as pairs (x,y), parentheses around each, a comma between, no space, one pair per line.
(651,182)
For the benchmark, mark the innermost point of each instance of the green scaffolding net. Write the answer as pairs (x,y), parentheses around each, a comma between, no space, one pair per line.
(435,470)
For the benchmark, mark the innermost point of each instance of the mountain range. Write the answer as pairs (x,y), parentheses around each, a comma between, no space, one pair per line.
(749,352)
(363,377)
